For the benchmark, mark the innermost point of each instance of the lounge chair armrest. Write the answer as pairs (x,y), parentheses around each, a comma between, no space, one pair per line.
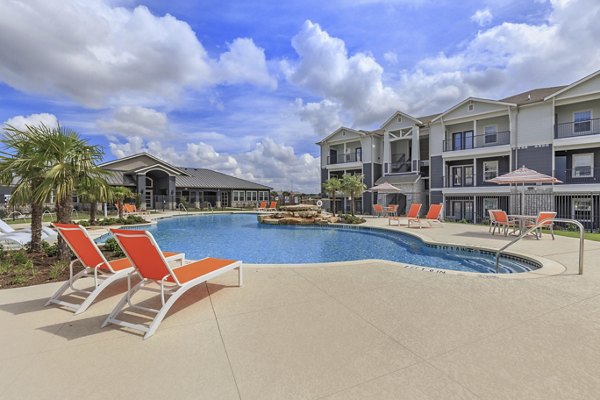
(178,259)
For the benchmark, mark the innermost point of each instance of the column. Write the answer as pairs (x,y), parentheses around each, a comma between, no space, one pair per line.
(387,152)
(171,203)
(416,149)
(141,189)
(218,203)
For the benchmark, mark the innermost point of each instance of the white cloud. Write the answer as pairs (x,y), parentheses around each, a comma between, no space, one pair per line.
(135,121)
(482,17)
(270,163)
(21,121)
(391,58)
(110,55)
(322,116)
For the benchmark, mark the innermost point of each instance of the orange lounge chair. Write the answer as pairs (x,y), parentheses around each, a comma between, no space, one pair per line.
(262,206)
(543,216)
(95,265)
(272,206)
(378,209)
(433,215)
(152,267)
(503,222)
(413,213)
(392,210)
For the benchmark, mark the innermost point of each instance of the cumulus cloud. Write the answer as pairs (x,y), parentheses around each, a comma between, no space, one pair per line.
(482,17)
(112,55)
(355,82)
(22,121)
(135,121)
(391,58)
(270,163)
(322,116)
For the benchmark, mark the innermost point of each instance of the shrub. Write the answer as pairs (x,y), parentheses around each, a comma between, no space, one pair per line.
(51,250)
(351,219)
(84,223)
(57,269)
(112,246)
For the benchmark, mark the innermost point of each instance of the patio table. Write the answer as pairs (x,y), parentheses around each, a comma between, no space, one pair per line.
(522,220)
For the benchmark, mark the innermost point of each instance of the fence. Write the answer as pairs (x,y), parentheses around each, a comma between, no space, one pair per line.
(583,207)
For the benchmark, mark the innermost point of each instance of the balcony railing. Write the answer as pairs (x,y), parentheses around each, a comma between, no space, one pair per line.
(463,142)
(463,180)
(344,158)
(578,175)
(575,129)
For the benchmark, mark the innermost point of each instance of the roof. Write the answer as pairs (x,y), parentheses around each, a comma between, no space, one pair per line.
(120,178)
(572,85)
(209,179)
(532,96)
(477,99)
(341,128)
(106,165)
(400,113)
(398,179)
(428,118)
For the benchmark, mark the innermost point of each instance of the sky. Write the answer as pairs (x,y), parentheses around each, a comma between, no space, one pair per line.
(248,87)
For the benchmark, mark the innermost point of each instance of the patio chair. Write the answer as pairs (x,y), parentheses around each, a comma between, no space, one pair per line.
(152,267)
(392,210)
(95,265)
(492,219)
(503,222)
(433,216)
(7,229)
(378,210)
(413,213)
(272,206)
(262,206)
(543,216)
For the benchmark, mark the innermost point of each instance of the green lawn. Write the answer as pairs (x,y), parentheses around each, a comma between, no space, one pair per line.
(575,234)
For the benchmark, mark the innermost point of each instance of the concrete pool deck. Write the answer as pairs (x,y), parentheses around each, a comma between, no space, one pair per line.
(366,330)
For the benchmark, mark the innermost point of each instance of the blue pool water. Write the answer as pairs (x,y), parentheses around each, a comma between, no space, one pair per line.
(241,237)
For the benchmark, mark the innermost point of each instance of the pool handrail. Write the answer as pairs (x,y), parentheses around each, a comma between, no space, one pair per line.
(537,225)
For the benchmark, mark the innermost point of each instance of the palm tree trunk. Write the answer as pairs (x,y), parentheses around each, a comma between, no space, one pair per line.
(93,210)
(352,204)
(333,204)
(120,207)
(36,227)
(63,213)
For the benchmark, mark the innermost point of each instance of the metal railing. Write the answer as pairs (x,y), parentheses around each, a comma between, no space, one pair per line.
(577,128)
(180,206)
(463,142)
(539,224)
(344,158)
(578,175)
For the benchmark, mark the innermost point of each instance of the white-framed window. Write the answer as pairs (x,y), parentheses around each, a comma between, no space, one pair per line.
(490,170)
(456,173)
(490,204)
(582,121)
(582,209)
(471,107)
(490,133)
(583,165)
(251,196)
(239,195)
(263,196)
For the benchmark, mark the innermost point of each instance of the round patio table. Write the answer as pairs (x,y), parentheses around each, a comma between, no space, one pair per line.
(522,220)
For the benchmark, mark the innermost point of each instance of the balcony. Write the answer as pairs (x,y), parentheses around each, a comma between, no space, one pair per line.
(577,129)
(464,178)
(464,141)
(581,175)
(344,158)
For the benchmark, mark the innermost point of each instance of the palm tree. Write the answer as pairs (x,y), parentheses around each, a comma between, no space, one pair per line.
(120,193)
(70,162)
(20,167)
(353,186)
(331,186)
(95,191)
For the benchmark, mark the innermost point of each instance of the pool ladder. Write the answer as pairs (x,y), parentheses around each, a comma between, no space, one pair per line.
(538,225)
(180,206)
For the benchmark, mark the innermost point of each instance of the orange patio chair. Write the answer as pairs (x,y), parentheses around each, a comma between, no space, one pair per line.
(492,219)
(272,206)
(95,265)
(413,213)
(152,267)
(378,210)
(543,216)
(392,210)
(262,206)
(503,222)
(433,216)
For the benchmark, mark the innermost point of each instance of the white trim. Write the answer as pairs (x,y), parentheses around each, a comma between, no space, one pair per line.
(484,169)
(572,85)
(485,142)
(473,99)
(397,113)
(583,121)
(573,156)
(159,167)
(341,128)
(143,154)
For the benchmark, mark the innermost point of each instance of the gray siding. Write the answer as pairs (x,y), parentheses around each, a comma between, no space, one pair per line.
(536,158)
(436,169)
(503,168)
(436,197)
(324,176)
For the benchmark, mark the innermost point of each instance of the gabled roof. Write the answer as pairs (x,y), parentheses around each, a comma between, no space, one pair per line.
(400,113)
(474,99)
(119,178)
(428,118)
(158,160)
(209,179)
(532,96)
(572,85)
(341,128)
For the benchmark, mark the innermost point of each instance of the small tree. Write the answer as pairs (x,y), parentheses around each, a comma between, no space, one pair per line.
(94,192)
(119,194)
(352,185)
(331,186)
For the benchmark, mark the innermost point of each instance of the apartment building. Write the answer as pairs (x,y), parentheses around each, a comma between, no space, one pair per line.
(450,157)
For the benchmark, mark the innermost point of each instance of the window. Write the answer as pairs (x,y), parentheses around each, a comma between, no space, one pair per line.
(471,106)
(238,195)
(456,176)
(263,196)
(358,153)
(490,134)
(583,165)
(250,196)
(582,121)
(468,176)
(149,182)
(462,140)
(489,204)
(582,209)
(490,170)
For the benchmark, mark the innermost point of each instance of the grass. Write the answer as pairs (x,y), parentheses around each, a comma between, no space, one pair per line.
(575,234)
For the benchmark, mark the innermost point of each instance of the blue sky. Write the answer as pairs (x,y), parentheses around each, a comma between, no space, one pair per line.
(247,88)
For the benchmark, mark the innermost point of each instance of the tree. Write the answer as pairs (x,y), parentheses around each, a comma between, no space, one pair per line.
(331,186)
(21,168)
(71,162)
(352,185)
(119,194)
(94,192)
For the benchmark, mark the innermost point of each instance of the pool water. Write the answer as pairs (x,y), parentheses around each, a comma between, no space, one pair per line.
(241,237)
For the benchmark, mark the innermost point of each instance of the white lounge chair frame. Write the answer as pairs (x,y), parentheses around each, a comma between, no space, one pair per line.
(174,292)
(102,278)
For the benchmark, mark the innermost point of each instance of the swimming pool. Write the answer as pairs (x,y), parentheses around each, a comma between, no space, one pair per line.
(241,237)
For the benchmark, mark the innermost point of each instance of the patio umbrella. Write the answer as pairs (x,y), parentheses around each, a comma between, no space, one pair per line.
(385,188)
(523,175)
